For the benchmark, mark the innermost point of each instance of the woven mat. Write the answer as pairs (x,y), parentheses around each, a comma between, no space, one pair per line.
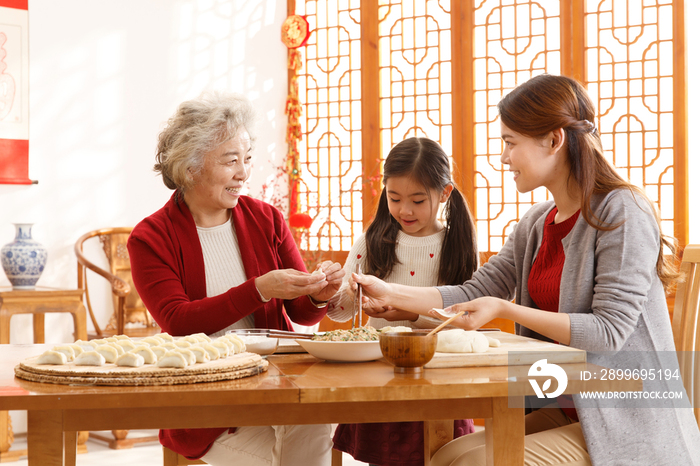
(234,367)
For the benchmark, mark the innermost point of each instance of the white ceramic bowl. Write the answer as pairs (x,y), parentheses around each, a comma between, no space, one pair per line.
(343,351)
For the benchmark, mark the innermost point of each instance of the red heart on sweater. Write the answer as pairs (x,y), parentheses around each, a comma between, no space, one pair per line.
(412,273)
(431,255)
(359,255)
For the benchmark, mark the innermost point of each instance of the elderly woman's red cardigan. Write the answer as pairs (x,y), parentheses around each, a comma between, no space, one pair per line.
(168,271)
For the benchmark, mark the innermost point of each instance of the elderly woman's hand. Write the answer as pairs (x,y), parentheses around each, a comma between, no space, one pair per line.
(334,277)
(290,284)
(478,313)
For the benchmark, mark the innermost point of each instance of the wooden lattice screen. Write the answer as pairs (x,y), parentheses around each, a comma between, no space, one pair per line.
(375,72)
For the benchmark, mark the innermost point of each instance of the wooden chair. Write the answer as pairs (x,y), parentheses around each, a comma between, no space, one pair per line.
(686,334)
(128,307)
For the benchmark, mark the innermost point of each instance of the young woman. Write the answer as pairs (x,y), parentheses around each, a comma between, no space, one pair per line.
(406,243)
(586,269)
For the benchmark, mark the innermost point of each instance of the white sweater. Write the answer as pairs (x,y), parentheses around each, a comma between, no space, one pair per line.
(418,265)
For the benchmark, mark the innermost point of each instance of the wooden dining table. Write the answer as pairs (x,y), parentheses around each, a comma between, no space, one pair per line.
(296,389)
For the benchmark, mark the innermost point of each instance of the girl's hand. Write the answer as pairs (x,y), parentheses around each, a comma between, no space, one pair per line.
(375,292)
(290,284)
(479,312)
(392,314)
(334,276)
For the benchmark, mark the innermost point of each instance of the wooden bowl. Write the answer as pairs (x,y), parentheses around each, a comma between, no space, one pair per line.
(408,351)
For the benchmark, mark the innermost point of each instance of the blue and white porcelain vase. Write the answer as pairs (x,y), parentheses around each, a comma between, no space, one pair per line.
(23,259)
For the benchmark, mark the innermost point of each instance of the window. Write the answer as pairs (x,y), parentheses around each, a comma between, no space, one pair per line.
(375,72)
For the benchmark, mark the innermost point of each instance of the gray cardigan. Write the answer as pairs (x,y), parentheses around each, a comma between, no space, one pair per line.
(616,302)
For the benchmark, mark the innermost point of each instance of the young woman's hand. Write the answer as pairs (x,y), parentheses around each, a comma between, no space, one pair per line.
(334,276)
(391,314)
(479,312)
(375,292)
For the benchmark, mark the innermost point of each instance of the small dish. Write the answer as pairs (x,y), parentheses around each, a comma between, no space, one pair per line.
(343,351)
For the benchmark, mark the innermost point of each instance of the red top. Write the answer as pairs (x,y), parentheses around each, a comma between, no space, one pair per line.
(167,267)
(545,277)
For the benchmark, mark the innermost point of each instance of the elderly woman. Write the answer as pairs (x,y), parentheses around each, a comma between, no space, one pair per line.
(212,260)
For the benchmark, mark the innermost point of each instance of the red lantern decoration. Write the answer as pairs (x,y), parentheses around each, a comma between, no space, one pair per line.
(300,220)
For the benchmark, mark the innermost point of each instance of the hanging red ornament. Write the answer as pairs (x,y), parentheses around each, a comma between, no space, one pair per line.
(295,31)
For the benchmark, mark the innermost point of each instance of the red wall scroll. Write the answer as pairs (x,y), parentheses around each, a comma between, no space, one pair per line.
(14,92)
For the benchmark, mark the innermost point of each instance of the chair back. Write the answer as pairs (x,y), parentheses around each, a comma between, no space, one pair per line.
(127,305)
(685,325)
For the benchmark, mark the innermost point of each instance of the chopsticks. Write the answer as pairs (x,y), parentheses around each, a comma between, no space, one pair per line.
(442,325)
(276,333)
(357,315)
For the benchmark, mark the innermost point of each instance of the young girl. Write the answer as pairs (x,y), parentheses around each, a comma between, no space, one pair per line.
(586,270)
(407,244)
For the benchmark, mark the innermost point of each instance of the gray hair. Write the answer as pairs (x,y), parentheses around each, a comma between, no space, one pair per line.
(199,126)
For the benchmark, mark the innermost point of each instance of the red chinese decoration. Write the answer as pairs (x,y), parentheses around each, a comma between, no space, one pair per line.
(295,32)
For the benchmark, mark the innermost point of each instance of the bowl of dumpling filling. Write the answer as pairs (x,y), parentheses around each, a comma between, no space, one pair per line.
(407,351)
(356,345)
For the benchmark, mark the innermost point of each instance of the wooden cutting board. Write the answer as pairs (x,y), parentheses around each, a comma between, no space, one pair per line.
(524,351)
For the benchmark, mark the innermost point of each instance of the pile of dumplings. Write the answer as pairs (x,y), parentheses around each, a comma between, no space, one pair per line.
(161,350)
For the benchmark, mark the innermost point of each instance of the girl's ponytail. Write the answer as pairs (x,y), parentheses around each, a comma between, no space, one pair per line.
(381,241)
(459,258)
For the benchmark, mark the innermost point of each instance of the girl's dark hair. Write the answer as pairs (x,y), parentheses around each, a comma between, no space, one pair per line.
(424,161)
(546,103)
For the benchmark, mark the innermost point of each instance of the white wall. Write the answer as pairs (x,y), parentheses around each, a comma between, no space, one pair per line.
(104,77)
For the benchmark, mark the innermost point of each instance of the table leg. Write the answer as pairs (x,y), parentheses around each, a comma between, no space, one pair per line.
(45,438)
(505,434)
(71,443)
(435,435)
(38,327)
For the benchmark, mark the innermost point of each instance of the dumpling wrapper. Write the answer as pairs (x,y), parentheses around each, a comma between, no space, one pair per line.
(182,343)
(52,357)
(109,352)
(90,358)
(461,341)
(201,336)
(67,350)
(149,357)
(130,360)
(172,359)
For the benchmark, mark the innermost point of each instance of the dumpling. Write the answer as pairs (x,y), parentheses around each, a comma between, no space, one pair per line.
(159,351)
(201,336)
(224,349)
(86,345)
(397,329)
(191,339)
(90,358)
(214,353)
(182,343)
(200,353)
(120,349)
(461,341)
(149,357)
(67,350)
(165,337)
(52,357)
(77,349)
(130,359)
(493,342)
(169,346)
(122,337)
(238,343)
(111,339)
(172,359)
(128,345)
(109,352)
(189,355)
(152,341)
